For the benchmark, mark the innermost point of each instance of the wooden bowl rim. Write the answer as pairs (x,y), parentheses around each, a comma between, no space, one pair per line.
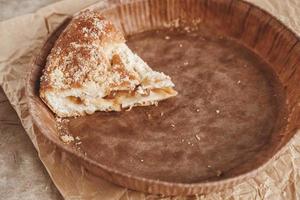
(201,186)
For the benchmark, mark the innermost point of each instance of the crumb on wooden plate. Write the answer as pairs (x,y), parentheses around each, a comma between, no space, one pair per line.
(67,138)
(219,172)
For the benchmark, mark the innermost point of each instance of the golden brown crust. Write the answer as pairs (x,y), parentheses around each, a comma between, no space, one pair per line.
(76,56)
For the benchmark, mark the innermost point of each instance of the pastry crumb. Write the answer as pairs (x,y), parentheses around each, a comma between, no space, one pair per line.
(187,29)
(219,172)
(239,81)
(58,119)
(161,114)
(185,63)
(180,45)
(198,137)
(167,37)
(67,138)
(218,111)
(198,110)
(61,120)
(142,160)
(173,125)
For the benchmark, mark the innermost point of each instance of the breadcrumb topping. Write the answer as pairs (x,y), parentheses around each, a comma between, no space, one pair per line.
(78,56)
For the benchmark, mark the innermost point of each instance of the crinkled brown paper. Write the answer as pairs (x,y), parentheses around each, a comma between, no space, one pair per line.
(21,37)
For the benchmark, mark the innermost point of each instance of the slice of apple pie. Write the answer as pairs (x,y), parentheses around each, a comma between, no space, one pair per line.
(90,68)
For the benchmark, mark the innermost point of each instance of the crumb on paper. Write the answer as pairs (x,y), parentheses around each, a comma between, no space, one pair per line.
(149,116)
(156,103)
(219,172)
(167,37)
(197,110)
(142,160)
(198,137)
(208,166)
(182,140)
(78,143)
(218,111)
(77,138)
(162,114)
(180,45)
(67,138)
(185,63)
(173,125)
(239,81)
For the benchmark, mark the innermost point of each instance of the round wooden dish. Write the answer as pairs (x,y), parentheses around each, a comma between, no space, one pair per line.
(237,71)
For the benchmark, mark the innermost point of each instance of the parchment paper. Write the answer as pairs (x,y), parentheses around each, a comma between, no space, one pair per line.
(21,38)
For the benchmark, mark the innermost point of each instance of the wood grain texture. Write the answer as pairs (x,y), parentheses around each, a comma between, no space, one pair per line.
(246,24)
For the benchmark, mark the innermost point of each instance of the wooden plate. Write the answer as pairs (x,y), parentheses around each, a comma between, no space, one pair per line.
(236,69)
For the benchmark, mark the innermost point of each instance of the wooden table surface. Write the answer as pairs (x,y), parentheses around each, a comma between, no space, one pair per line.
(22,175)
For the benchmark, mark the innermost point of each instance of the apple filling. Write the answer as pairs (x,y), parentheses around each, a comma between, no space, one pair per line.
(123,99)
